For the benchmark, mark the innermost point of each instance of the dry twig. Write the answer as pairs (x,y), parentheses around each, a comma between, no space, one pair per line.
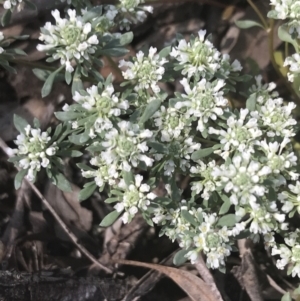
(207,277)
(72,237)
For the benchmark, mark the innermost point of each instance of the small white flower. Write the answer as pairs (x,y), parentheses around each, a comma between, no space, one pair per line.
(146,72)
(70,40)
(135,196)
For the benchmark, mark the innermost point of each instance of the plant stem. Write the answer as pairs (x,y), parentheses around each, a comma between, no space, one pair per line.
(274,63)
(259,14)
(71,236)
(270,31)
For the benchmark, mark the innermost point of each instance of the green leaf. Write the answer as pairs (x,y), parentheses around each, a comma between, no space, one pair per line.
(111,200)
(251,102)
(216,146)
(87,191)
(47,87)
(117,192)
(180,258)
(95,12)
(151,108)
(284,36)
(128,177)
(159,147)
(114,51)
(61,182)
(20,123)
(226,205)
(36,123)
(68,77)
(57,132)
(201,153)
(189,218)
(17,51)
(69,153)
(165,52)
(7,67)
(19,178)
(67,116)
(84,166)
(15,159)
(244,24)
(228,220)
(126,38)
(147,219)
(77,82)
(286,297)
(6,17)
(163,200)
(110,218)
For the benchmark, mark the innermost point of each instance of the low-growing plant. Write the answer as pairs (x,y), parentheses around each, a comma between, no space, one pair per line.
(243,169)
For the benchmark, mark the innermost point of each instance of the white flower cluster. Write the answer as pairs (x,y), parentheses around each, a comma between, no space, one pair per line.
(131,13)
(287,9)
(241,134)
(146,72)
(70,40)
(175,129)
(207,237)
(243,179)
(106,173)
(34,150)
(289,253)
(291,199)
(100,106)
(123,15)
(135,196)
(204,101)
(126,146)
(207,184)
(200,57)
(250,150)
(11,4)
(294,66)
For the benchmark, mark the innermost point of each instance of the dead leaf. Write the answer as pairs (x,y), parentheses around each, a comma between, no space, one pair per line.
(77,218)
(195,287)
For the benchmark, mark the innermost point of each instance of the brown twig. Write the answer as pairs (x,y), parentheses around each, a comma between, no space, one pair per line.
(207,277)
(72,237)
(246,274)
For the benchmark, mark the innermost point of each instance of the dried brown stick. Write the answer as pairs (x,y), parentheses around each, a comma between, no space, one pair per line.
(207,277)
(247,274)
(72,237)
(148,281)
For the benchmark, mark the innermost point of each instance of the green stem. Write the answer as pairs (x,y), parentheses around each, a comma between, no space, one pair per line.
(275,65)
(259,14)
(286,49)
(270,31)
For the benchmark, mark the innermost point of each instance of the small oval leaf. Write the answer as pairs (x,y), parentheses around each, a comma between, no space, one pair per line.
(110,218)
